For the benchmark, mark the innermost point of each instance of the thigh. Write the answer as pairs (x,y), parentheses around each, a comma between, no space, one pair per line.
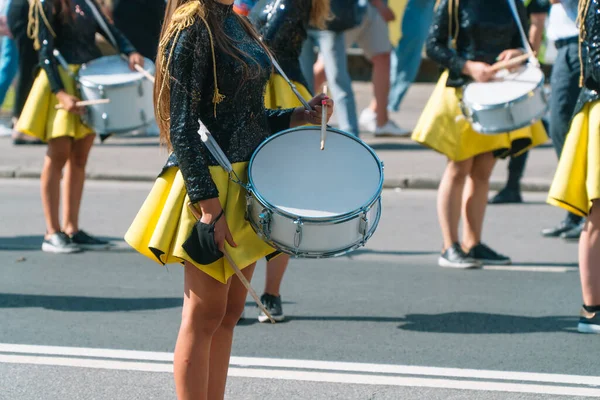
(204,296)
(236,299)
(81,150)
(483,165)
(374,36)
(60,149)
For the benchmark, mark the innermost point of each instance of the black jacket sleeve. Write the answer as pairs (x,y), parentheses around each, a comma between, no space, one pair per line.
(189,67)
(46,39)
(437,43)
(283,22)
(592,45)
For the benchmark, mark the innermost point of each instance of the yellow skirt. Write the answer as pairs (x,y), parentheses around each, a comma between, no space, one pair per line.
(279,94)
(39,117)
(577,179)
(442,128)
(165,222)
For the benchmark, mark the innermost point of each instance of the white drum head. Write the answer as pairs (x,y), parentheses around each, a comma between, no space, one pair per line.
(291,173)
(504,88)
(112,70)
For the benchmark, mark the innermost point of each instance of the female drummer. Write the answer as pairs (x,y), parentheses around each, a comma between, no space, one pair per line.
(576,185)
(466,38)
(283,29)
(213,68)
(68,26)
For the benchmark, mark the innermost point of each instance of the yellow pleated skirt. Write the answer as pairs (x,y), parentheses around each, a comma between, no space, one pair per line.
(39,117)
(577,179)
(165,222)
(279,94)
(443,128)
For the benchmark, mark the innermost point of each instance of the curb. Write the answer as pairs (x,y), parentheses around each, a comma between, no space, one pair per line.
(412,182)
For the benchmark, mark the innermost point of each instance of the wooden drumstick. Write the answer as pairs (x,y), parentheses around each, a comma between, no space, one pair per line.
(510,63)
(237,271)
(84,103)
(324,119)
(141,70)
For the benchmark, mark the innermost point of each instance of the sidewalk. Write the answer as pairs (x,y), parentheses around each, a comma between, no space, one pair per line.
(407,164)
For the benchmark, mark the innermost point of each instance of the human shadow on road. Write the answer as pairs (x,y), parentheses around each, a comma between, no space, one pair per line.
(34,242)
(486,323)
(392,252)
(87,304)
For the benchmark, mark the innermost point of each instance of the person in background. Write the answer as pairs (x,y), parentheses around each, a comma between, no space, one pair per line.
(141,22)
(243,7)
(17,19)
(537,10)
(406,58)
(284,30)
(576,184)
(9,60)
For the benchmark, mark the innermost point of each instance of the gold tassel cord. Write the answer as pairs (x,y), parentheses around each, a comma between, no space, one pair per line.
(36,9)
(584,6)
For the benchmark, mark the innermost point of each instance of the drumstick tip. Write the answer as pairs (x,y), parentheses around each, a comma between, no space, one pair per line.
(322,145)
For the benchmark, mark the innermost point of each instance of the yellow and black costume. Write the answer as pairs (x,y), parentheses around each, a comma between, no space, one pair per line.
(577,179)
(72,32)
(207,84)
(477,31)
(283,26)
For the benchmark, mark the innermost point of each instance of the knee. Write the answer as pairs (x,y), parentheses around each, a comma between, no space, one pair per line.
(78,160)
(58,159)
(232,315)
(203,318)
(480,177)
(458,171)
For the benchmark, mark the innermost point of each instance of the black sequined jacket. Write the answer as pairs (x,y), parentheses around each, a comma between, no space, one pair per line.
(75,38)
(241,122)
(590,52)
(486,28)
(283,25)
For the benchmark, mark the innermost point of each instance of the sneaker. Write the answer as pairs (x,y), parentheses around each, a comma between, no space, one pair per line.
(368,120)
(485,255)
(61,243)
(273,304)
(391,129)
(574,233)
(507,196)
(589,322)
(556,231)
(455,257)
(87,242)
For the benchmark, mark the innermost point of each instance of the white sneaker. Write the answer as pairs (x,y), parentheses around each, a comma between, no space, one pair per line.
(368,120)
(5,130)
(391,129)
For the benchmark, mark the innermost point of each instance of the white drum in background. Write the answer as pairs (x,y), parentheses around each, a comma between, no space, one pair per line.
(311,203)
(511,101)
(131,95)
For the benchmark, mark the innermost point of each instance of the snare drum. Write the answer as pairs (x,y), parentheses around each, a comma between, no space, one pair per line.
(311,203)
(511,101)
(131,95)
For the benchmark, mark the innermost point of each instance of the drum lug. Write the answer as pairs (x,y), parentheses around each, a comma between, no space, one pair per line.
(264,219)
(363,226)
(141,88)
(143,116)
(248,205)
(105,120)
(298,235)
(101,92)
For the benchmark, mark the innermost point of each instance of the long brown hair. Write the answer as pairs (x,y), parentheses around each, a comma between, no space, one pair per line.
(181,14)
(320,13)
(584,6)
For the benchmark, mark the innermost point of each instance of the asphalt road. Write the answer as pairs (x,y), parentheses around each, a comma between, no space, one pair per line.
(383,323)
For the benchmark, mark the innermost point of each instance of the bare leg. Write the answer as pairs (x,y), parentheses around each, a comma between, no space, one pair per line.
(319,75)
(220,349)
(381,87)
(57,155)
(589,258)
(74,180)
(275,271)
(204,306)
(476,198)
(450,199)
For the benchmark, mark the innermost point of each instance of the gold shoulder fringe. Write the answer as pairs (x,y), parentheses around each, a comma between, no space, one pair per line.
(184,17)
(36,9)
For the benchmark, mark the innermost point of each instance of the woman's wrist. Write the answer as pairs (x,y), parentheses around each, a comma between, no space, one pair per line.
(210,208)
(298,118)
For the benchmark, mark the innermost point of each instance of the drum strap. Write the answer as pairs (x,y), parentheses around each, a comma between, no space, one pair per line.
(102,24)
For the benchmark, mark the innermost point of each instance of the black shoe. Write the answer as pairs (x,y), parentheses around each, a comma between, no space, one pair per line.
(59,243)
(574,233)
(487,256)
(589,322)
(455,257)
(507,196)
(563,227)
(273,305)
(87,242)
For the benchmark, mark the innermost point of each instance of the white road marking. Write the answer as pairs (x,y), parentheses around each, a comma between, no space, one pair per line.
(312,370)
(311,376)
(525,268)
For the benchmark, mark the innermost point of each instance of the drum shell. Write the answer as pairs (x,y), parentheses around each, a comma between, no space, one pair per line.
(323,238)
(131,104)
(502,118)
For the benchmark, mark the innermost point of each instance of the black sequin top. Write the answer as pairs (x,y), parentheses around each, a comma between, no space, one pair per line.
(487,28)
(283,25)
(241,123)
(75,38)
(590,51)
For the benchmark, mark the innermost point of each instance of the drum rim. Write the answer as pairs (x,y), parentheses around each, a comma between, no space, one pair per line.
(88,84)
(337,218)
